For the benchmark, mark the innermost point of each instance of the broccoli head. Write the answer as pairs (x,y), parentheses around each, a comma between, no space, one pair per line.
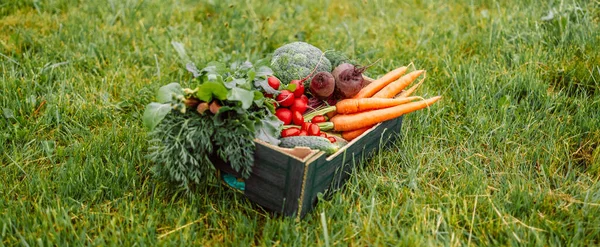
(296,60)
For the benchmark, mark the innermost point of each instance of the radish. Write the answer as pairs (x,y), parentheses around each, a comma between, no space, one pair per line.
(299,105)
(299,91)
(322,85)
(285,115)
(285,98)
(348,79)
(274,82)
(297,118)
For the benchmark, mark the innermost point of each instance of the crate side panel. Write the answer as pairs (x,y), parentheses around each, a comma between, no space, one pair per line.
(275,181)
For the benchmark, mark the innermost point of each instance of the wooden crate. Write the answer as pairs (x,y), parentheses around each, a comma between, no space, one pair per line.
(288,181)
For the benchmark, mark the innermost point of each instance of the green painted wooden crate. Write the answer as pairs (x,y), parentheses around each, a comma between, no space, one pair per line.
(290,185)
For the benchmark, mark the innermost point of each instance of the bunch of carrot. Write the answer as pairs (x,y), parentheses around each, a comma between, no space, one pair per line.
(381,100)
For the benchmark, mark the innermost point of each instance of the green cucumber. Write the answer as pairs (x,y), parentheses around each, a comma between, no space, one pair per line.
(312,142)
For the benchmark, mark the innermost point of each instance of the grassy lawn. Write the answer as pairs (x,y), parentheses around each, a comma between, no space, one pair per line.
(510,156)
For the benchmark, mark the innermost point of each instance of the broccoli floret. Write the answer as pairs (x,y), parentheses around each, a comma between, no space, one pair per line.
(296,60)
(337,57)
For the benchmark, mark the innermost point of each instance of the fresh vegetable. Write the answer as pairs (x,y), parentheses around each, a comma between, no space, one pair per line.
(409,91)
(380,83)
(337,57)
(313,142)
(299,105)
(348,106)
(297,60)
(202,107)
(331,139)
(274,82)
(304,98)
(306,126)
(397,86)
(303,133)
(214,107)
(318,119)
(348,79)
(285,115)
(352,134)
(292,131)
(184,140)
(299,91)
(285,98)
(297,118)
(346,122)
(322,85)
(313,130)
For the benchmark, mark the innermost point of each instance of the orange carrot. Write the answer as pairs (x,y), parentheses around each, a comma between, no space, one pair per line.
(350,135)
(348,106)
(396,87)
(380,83)
(346,122)
(412,89)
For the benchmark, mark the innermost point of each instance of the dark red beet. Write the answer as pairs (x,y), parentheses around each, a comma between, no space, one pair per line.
(322,85)
(348,79)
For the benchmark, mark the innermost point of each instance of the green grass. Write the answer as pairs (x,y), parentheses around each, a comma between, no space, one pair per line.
(510,156)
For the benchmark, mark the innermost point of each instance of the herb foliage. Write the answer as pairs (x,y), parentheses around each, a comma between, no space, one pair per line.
(184,142)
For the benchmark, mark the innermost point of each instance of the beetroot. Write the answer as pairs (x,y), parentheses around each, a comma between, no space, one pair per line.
(322,85)
(348,79)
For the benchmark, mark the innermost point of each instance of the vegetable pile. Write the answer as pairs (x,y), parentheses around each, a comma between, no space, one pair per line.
(219,117)
(296,99)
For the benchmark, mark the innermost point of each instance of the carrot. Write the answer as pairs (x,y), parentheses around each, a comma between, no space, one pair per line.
(396,87)
(348,106)
(412,89)
(380,83)
(346,122)
(350,135)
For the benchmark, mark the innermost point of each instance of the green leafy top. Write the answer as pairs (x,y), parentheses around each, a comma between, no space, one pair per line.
(245,114)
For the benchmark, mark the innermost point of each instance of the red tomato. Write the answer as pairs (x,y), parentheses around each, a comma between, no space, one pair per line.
(297,118)
(284,114)
(318,119)
(285,98)
(303,133)
(299,105)
(314,130)
(274,82)
(332,139)
(293,131)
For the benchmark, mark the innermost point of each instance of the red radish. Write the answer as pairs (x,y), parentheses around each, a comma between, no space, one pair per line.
(297,118)
(268,95)
(285,115)
(318,119)
(293,131)
(299,91)
(299,105)
(314,130)
(332,139)
(304,98)
(323,134)
(274,82)
(303,133)
(285,98)
(306,126)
